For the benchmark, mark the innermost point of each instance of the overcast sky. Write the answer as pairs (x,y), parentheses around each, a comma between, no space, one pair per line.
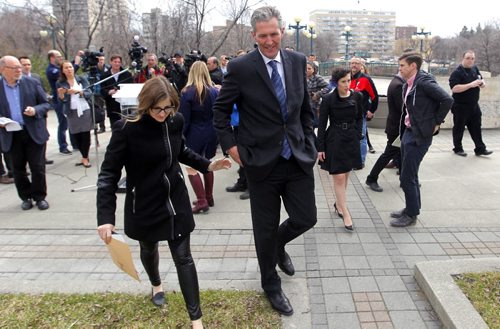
(441,17)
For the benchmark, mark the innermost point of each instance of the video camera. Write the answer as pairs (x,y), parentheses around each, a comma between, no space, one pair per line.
(90,59)
(193,56)
(136,52)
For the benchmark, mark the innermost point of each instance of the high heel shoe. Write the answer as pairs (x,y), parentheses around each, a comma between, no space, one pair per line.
(337,211)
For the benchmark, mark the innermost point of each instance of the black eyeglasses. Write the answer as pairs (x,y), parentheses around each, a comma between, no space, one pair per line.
(166,109)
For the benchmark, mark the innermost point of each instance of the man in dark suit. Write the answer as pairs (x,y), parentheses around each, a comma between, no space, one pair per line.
(23,100)
(26,64)
(111,86)
(275,145)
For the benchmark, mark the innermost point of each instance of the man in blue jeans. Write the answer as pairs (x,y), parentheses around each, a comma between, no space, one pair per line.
(424,109)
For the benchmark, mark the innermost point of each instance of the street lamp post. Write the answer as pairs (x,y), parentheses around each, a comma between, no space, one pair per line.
(421,35)
(297,27)
(52,29)
(310,33)
(347,34)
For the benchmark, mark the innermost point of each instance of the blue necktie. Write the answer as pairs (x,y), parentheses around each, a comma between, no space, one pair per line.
(286,152)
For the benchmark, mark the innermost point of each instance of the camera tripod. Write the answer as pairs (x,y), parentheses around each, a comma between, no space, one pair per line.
(96,141)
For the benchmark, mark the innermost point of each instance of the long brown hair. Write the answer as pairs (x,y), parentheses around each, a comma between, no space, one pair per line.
(154,91)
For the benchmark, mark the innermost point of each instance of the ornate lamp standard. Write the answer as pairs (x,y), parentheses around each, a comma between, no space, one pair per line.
(53,29)
(347,34)
(297,27)
(310,33)
(422,35)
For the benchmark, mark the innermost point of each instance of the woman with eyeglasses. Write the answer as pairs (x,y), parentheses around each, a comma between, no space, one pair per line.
(197,99)
(157,208)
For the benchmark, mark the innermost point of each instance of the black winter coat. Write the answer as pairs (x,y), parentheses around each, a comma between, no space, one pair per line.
(395,106)
(157,205)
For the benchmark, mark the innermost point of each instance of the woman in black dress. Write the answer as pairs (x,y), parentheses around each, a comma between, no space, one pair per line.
(151,148)
(338,146)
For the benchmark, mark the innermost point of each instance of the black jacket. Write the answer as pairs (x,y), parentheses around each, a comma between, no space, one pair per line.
(111,104)
(261,127)
(157,205)
(427,103)
(395,107)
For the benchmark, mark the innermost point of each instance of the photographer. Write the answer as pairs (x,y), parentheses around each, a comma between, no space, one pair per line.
(110,87)
(175,71)
(150,71)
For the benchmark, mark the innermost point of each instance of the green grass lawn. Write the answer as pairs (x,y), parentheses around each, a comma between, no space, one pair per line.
(483,290)
(221,309)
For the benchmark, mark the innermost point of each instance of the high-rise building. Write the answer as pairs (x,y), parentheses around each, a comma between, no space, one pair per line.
(372,32)
(78,19)
(405,32)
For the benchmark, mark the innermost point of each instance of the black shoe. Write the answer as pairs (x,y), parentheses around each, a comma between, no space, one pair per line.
(285,264)
(245,195)
(485,152)
(42,205)
(374,186)
(280,302)
(404,221)
(65,152)
(397,214)
(26,204)
(49,162)
(461,153)
(158,299)
(371,150)
(102,130)
(337,211)
(236,188)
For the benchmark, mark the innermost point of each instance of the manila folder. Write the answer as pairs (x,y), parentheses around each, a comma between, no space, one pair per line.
(121,255)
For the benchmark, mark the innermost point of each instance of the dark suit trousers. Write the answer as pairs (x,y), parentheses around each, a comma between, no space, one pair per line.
(390,153)
(289,182)
(25,150)
(470,116)
(411,157)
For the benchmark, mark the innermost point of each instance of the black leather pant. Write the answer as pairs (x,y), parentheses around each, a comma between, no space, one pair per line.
(186,270)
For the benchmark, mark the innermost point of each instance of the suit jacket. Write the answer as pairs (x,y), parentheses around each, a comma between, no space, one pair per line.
(111,104)
(261,127)
(31,94)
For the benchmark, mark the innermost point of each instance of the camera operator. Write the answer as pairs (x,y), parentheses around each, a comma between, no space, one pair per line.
(175,71)
(150,71)
(102,68)
(215,71)
(111,86)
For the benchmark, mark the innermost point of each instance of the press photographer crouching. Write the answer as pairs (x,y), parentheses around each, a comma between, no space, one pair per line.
(150,71)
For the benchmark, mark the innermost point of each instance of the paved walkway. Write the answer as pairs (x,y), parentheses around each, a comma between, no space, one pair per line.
(342,280)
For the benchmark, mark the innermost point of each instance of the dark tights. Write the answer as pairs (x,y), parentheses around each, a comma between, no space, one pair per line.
(82,141)
(186,271)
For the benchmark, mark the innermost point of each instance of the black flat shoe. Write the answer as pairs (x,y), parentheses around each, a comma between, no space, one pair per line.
(158,299)
(337,211)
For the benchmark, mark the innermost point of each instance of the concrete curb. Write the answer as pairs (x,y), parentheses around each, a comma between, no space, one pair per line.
(451,305)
